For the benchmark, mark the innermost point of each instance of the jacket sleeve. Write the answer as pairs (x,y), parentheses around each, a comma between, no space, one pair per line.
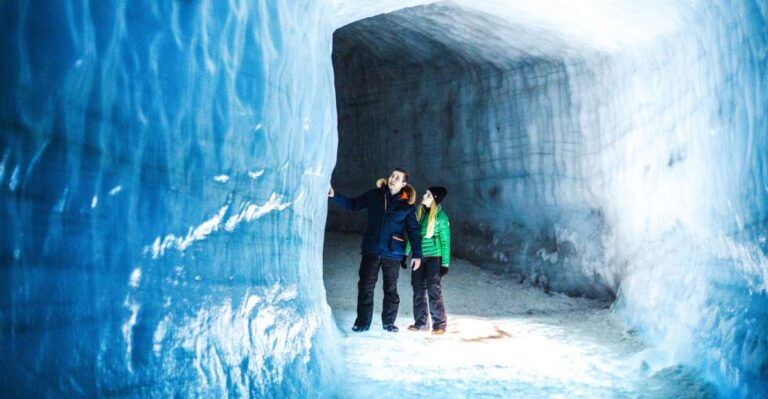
(414,234)
(408,242)
(353,204)
(445,240)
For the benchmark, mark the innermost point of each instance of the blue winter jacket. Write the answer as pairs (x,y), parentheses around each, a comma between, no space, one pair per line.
(390,217)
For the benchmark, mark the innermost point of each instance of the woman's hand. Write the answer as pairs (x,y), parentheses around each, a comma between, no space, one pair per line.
(330,192)
(415,263)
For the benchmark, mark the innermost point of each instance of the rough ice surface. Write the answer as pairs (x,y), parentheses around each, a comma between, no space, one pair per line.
(160,236)
(163,169)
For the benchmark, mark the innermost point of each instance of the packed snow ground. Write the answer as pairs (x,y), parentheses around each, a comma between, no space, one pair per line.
(504,339)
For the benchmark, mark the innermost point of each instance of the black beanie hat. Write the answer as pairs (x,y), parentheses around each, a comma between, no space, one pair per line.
(438,193)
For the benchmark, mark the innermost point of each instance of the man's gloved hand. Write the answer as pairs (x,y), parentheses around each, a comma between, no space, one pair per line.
(403,265)
(443,270)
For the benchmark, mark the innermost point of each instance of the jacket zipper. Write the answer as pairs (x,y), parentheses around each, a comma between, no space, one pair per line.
(381,226)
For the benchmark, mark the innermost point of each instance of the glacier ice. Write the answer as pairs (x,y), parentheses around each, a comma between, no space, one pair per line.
(163,169)
(159,236)
(595,151)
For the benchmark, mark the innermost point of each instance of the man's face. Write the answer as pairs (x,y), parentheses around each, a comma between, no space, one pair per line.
(396,181)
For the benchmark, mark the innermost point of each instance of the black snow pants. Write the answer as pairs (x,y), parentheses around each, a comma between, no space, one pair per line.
(426,282)
(369,273)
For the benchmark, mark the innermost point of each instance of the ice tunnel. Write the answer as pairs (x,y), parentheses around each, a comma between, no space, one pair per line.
(164,168)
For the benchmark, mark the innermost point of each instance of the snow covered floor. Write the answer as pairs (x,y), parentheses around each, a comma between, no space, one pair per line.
(504,339)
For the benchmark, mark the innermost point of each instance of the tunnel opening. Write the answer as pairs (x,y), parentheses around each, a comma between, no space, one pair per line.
(570,141)
(443,92)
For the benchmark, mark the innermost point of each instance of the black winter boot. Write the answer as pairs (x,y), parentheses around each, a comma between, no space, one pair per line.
(357,328)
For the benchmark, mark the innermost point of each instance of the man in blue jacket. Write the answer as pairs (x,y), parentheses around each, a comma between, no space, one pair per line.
(391,215)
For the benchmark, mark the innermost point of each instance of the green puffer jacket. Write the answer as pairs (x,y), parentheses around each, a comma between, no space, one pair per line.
(440,242)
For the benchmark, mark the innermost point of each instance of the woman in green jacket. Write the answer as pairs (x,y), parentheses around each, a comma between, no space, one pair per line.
(426,278)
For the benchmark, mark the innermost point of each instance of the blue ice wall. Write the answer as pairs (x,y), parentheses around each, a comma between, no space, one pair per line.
(163,169)
(696,281)
(593,150)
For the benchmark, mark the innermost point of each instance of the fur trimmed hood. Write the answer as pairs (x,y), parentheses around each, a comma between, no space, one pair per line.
(408,192)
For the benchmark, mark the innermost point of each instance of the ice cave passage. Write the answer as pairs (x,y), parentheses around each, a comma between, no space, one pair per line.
(165,228)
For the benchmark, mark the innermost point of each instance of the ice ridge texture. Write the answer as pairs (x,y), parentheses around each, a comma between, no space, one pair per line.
(162,167)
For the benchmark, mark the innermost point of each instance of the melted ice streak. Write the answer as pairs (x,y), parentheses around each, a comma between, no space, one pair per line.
(133,307)
(115,190)
(135,278)
(249,212)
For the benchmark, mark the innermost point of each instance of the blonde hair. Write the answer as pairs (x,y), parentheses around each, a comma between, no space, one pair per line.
(431,220)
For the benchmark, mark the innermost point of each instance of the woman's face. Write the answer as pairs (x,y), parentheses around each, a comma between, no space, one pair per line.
(427,199)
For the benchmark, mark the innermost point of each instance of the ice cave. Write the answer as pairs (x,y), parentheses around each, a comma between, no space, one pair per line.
(165,228)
